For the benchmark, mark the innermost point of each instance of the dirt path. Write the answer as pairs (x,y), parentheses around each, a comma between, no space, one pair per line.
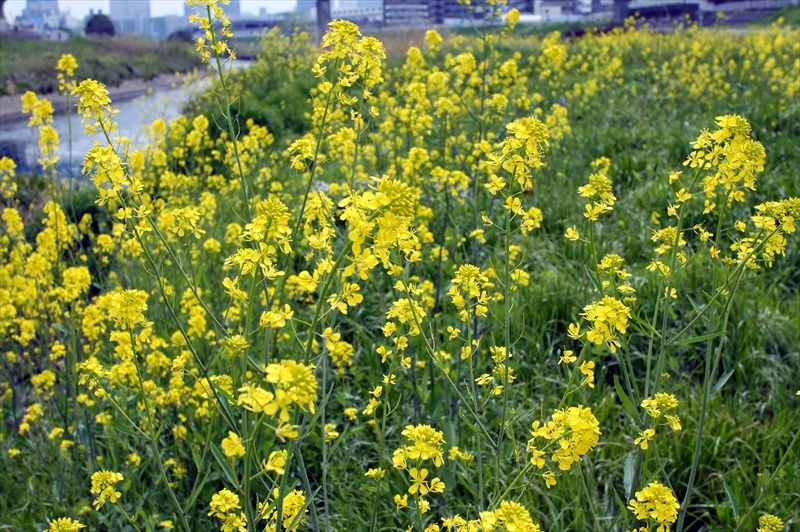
(11,106)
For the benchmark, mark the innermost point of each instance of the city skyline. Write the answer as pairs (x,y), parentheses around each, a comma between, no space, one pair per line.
(158,8)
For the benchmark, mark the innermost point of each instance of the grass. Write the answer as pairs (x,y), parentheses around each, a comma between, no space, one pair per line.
(30,65)
(790,15)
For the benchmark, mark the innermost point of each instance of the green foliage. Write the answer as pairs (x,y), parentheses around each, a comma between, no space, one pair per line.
(789,13)
(100,25)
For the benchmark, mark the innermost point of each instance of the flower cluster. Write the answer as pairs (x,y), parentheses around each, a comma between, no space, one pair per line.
(225,506)
(609,317)
(657,505)
(294,510)
(572,432)
(41,111)
(467,292)
(426,445)
(104,486)
(736,158)
(94,106)
(208,18)
(510,516)
(65,524)
(599,191)
(770,523)
(294,384)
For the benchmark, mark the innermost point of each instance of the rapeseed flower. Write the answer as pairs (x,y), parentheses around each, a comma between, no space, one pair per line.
(103,485)
(65,524)
(656,503)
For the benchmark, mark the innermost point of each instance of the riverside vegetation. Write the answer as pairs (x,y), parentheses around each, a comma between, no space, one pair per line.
(501,284)
(28,64)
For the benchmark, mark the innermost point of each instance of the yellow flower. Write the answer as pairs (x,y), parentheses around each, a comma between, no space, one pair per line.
(401,502)
(656,502)
(232,446)
(770,523)
(375,474)
(587,368)
(644,438)
(103,483)
(418,483)
(433,39)
(572,234)
(67,64)
(567,357)
(276,462)
(509,515)
(128,308)
(65,524)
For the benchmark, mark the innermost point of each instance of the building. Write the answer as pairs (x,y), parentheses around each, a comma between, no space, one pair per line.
(131,16)
(416,13)
(164,26)
(307,8)
(355,4)
(42,5)
(40,15)
(407,13)
(361,12)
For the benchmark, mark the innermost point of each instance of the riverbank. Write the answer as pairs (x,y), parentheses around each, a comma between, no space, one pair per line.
(30,64)
(11,106)
(138,102)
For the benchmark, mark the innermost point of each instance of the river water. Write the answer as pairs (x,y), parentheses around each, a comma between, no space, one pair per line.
(21,143)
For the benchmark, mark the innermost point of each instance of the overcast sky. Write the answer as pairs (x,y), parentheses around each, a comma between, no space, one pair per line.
(158,8)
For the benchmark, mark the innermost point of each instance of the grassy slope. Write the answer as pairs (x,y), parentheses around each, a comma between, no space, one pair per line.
(790,14)
(30,65)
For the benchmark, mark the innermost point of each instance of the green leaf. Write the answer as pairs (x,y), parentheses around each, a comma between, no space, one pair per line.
(695,339)
(126,430)
(720,383)
(196,491)
(627,477)
(623,510)
(732,498)
(224,464)
(463,417)
(626,402)
(225,406)
(644,327)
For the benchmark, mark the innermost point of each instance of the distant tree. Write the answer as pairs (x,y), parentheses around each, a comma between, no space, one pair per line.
(99,24)
(180,35)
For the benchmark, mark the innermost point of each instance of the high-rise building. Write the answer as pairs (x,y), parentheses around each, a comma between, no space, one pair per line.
(234,9)
(131,16)
(425,12)
(40,14)
(42,5)
(305,6)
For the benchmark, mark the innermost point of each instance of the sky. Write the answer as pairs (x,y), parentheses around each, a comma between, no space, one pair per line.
(158,8)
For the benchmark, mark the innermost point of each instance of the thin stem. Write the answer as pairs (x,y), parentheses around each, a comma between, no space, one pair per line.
(153,442)
(761,495)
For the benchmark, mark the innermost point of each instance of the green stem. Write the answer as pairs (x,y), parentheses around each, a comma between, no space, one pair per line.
(153,442)
(761,495)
